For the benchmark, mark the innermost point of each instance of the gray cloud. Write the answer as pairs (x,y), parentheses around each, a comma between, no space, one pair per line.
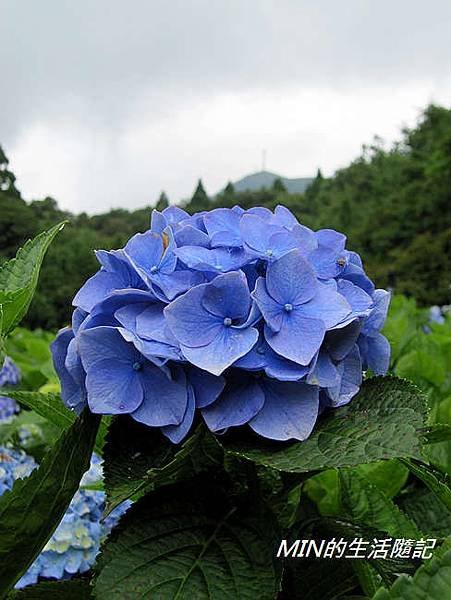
(98,71)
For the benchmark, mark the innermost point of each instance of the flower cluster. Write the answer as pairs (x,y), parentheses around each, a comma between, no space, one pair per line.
(75,544)
(247,317)
(9,375)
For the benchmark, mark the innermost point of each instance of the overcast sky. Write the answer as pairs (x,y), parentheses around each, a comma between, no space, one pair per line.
(105,103)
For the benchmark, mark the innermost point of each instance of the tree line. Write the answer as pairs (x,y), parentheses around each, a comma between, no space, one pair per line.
(392,203)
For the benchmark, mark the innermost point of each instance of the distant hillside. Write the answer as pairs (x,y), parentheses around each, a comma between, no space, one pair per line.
(265,179)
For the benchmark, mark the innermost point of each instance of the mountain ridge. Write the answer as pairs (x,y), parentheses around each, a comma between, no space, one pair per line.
(265,179)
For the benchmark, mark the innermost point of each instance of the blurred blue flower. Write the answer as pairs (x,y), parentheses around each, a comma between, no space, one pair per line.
(230,313)
(8,408)
(9,373)
(74,546)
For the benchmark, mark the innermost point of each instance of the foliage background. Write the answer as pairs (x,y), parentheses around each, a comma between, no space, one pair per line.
(393,203)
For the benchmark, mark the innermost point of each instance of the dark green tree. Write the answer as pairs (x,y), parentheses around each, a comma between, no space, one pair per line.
(199,200)
(163,202)
(7,178)
(278,186)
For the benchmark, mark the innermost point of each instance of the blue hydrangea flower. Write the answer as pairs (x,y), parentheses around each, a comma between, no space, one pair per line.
(8,408)
(9,373)
(75,544)
(14,464)
(244,317)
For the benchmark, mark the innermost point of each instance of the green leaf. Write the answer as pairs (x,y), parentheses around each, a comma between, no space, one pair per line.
(187,542)
(428,512)
(436,481)
(367,505)
(388,475)
(51,407)
(32,510)
(76,589)
(325,579)
(369,579)
(385,420)
(139,459)
(439,432)
(432,581)
(19,277)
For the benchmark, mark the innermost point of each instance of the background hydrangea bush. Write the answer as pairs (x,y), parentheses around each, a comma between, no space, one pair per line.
(76,542)
(199,326)
(247,317)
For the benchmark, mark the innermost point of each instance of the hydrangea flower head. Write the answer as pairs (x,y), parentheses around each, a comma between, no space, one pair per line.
(238,317)
(9,373)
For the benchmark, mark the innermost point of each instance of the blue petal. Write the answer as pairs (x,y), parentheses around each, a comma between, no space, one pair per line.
(331,239)
(255,359)
(324,373)
(228,296)
(176,433)
(174,214)
(165,400)
(156,352)
(206,386)
(350,370)
(271,310)
(120,298)
(290,279)
(359,300)
(356,274)
(299,338)
(73,392)
(96,288)
(283,369)
(145,250)
(190,323)
(378,314)
(218,260)
(327,305)
(378,357)
(190,236)
(326,262)
(256,233)
(223,227)
(240,401)
(113,387)
(157,222)
(230,345)
(305,239)
(339,342)
(289,412)
(78,316)
(151,324)
(104,343)
(284,217)
(260,211)
(175,283)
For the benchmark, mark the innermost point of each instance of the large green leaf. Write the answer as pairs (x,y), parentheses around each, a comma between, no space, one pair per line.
(432,581)
(19,277)
(367,505)
(428,512)
(323,488)
(325,579)
(436,481)
(76,589)
(139,459)
(187,542)
(51,407)
(31,511)
(385,420)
